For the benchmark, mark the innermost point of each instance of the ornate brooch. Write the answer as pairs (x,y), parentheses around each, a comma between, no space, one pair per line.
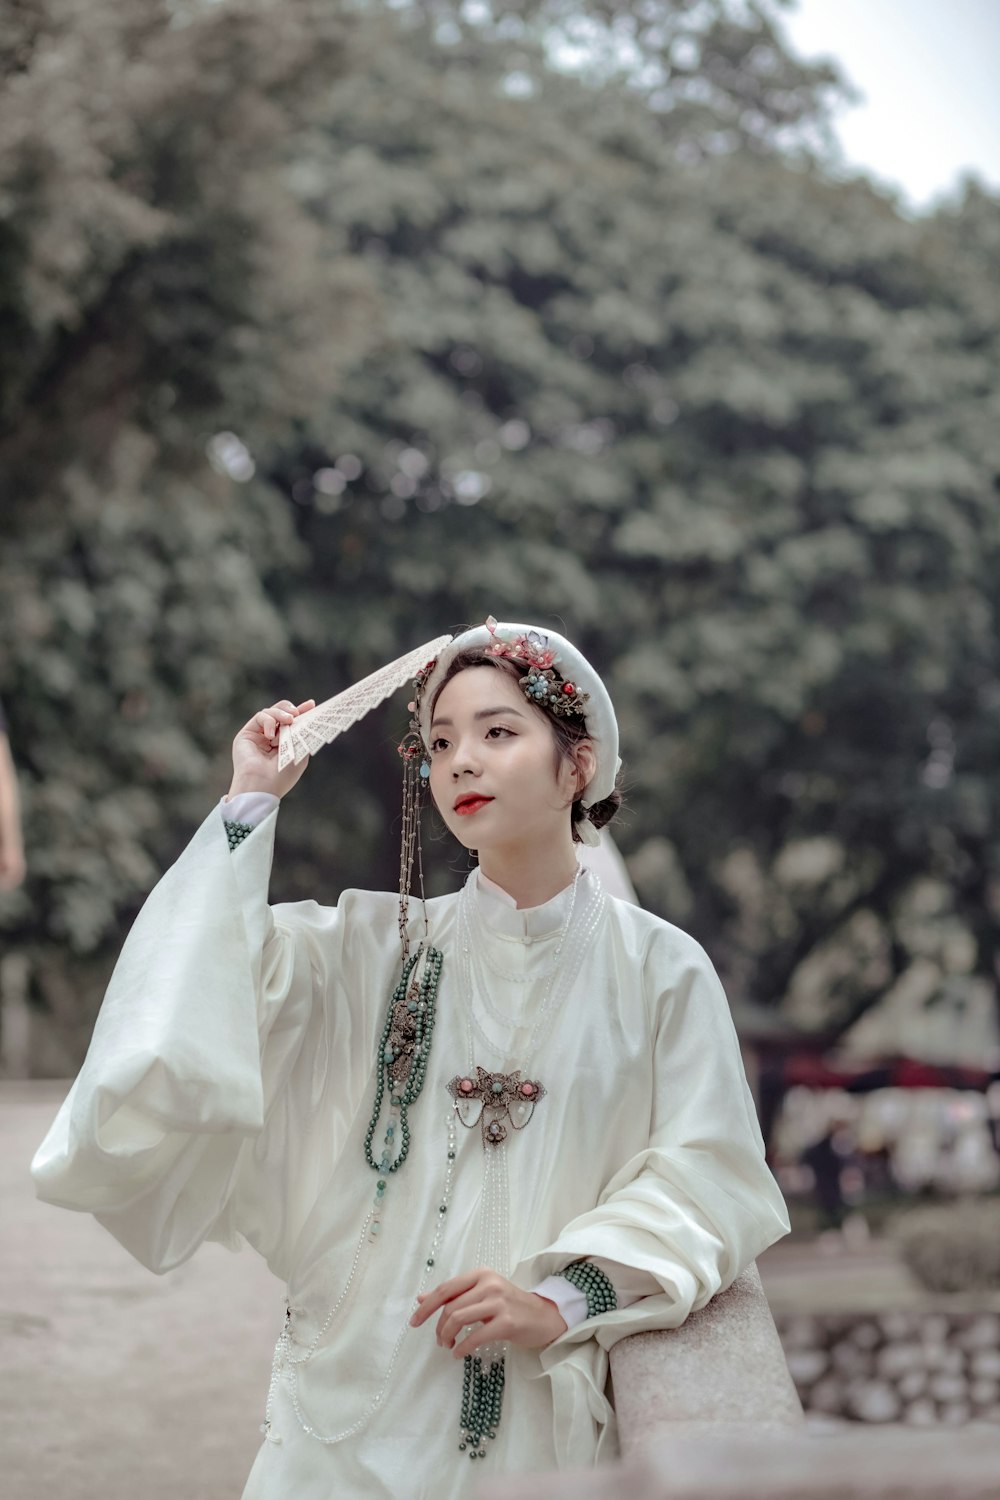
(490,1097)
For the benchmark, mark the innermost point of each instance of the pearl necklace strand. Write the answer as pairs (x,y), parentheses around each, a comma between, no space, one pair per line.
(289,1363)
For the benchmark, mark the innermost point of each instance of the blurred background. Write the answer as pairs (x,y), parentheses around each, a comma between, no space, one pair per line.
(326,327)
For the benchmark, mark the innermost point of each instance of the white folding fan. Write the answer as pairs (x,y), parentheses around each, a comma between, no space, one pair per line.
(316,727)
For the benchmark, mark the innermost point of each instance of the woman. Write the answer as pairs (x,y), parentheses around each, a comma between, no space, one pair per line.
(544,1144)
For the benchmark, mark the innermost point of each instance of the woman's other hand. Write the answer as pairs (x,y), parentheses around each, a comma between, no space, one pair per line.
(255,751)
(499,1309)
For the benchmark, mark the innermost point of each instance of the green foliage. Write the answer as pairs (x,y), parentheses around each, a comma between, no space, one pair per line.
(731,422)
(542,309)
(145,236)
(148,228)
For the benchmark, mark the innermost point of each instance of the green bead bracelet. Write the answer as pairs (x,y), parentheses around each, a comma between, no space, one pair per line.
(595,1286)
(237,832)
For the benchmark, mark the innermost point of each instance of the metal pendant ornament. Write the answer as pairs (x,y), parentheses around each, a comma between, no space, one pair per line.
(487,1099)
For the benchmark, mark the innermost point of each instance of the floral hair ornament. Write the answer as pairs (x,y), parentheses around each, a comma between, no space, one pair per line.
(541,685)
(559,679)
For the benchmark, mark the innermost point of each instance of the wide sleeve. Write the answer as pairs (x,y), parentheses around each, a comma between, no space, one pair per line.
(689,1210)
(210,1063)
(698,1203)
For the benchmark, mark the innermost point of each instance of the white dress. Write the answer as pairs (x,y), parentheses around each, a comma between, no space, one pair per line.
(226,1096)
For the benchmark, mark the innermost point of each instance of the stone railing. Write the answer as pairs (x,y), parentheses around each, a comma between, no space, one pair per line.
(682,1378)
(709,1411)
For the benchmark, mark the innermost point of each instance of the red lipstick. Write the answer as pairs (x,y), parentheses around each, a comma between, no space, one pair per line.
(470,803)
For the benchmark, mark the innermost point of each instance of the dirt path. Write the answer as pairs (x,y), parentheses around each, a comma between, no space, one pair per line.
(116,1384)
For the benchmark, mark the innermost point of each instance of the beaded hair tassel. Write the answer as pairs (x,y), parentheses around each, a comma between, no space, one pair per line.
(405,1043)
(416,773)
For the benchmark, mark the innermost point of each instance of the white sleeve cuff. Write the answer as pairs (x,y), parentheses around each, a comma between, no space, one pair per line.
(571,1302)
(248,807)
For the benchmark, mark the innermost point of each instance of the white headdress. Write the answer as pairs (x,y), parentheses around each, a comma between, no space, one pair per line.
(559,678)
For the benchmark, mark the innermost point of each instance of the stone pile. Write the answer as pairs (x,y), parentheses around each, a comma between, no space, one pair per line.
(918,1368)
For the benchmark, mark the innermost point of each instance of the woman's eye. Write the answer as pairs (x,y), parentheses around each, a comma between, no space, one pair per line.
(498,729)
(437,745)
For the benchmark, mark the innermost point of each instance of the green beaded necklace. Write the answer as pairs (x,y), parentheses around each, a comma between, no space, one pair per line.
(403,1050)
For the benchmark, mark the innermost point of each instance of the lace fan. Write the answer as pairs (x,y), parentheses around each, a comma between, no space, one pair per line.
(315,728)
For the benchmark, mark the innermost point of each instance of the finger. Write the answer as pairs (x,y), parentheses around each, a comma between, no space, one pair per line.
(439,1295)
(468,1308)
(309,703)
(429,1304)
(480,1283)
(463,1314)
(271,720)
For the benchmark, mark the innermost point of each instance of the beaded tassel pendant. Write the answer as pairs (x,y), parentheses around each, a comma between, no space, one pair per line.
(482,1403)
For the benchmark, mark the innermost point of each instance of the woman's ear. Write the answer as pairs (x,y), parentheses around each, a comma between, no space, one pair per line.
(585,764)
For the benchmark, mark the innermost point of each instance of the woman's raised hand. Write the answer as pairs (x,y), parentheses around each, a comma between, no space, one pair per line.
(255,751)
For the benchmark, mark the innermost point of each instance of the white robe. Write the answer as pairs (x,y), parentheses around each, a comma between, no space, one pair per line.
(226,1095)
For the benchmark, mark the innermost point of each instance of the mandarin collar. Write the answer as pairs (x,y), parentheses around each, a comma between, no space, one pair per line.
(504,918)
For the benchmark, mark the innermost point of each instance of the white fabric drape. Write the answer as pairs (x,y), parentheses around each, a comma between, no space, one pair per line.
(226,1095)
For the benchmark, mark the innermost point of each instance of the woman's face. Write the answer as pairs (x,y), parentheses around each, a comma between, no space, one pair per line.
(494,777)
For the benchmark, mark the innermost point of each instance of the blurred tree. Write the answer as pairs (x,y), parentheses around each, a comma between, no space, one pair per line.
(518,235)
(728,418)
(159,284)
(621,354)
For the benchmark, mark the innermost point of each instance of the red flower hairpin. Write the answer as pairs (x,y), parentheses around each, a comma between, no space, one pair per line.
(541,685)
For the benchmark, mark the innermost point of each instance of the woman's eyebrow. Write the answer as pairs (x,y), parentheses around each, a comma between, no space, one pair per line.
(484,713)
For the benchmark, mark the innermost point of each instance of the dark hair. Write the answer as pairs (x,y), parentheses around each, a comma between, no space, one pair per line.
(567,729)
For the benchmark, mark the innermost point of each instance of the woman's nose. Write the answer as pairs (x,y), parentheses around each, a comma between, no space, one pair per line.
(465,759)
